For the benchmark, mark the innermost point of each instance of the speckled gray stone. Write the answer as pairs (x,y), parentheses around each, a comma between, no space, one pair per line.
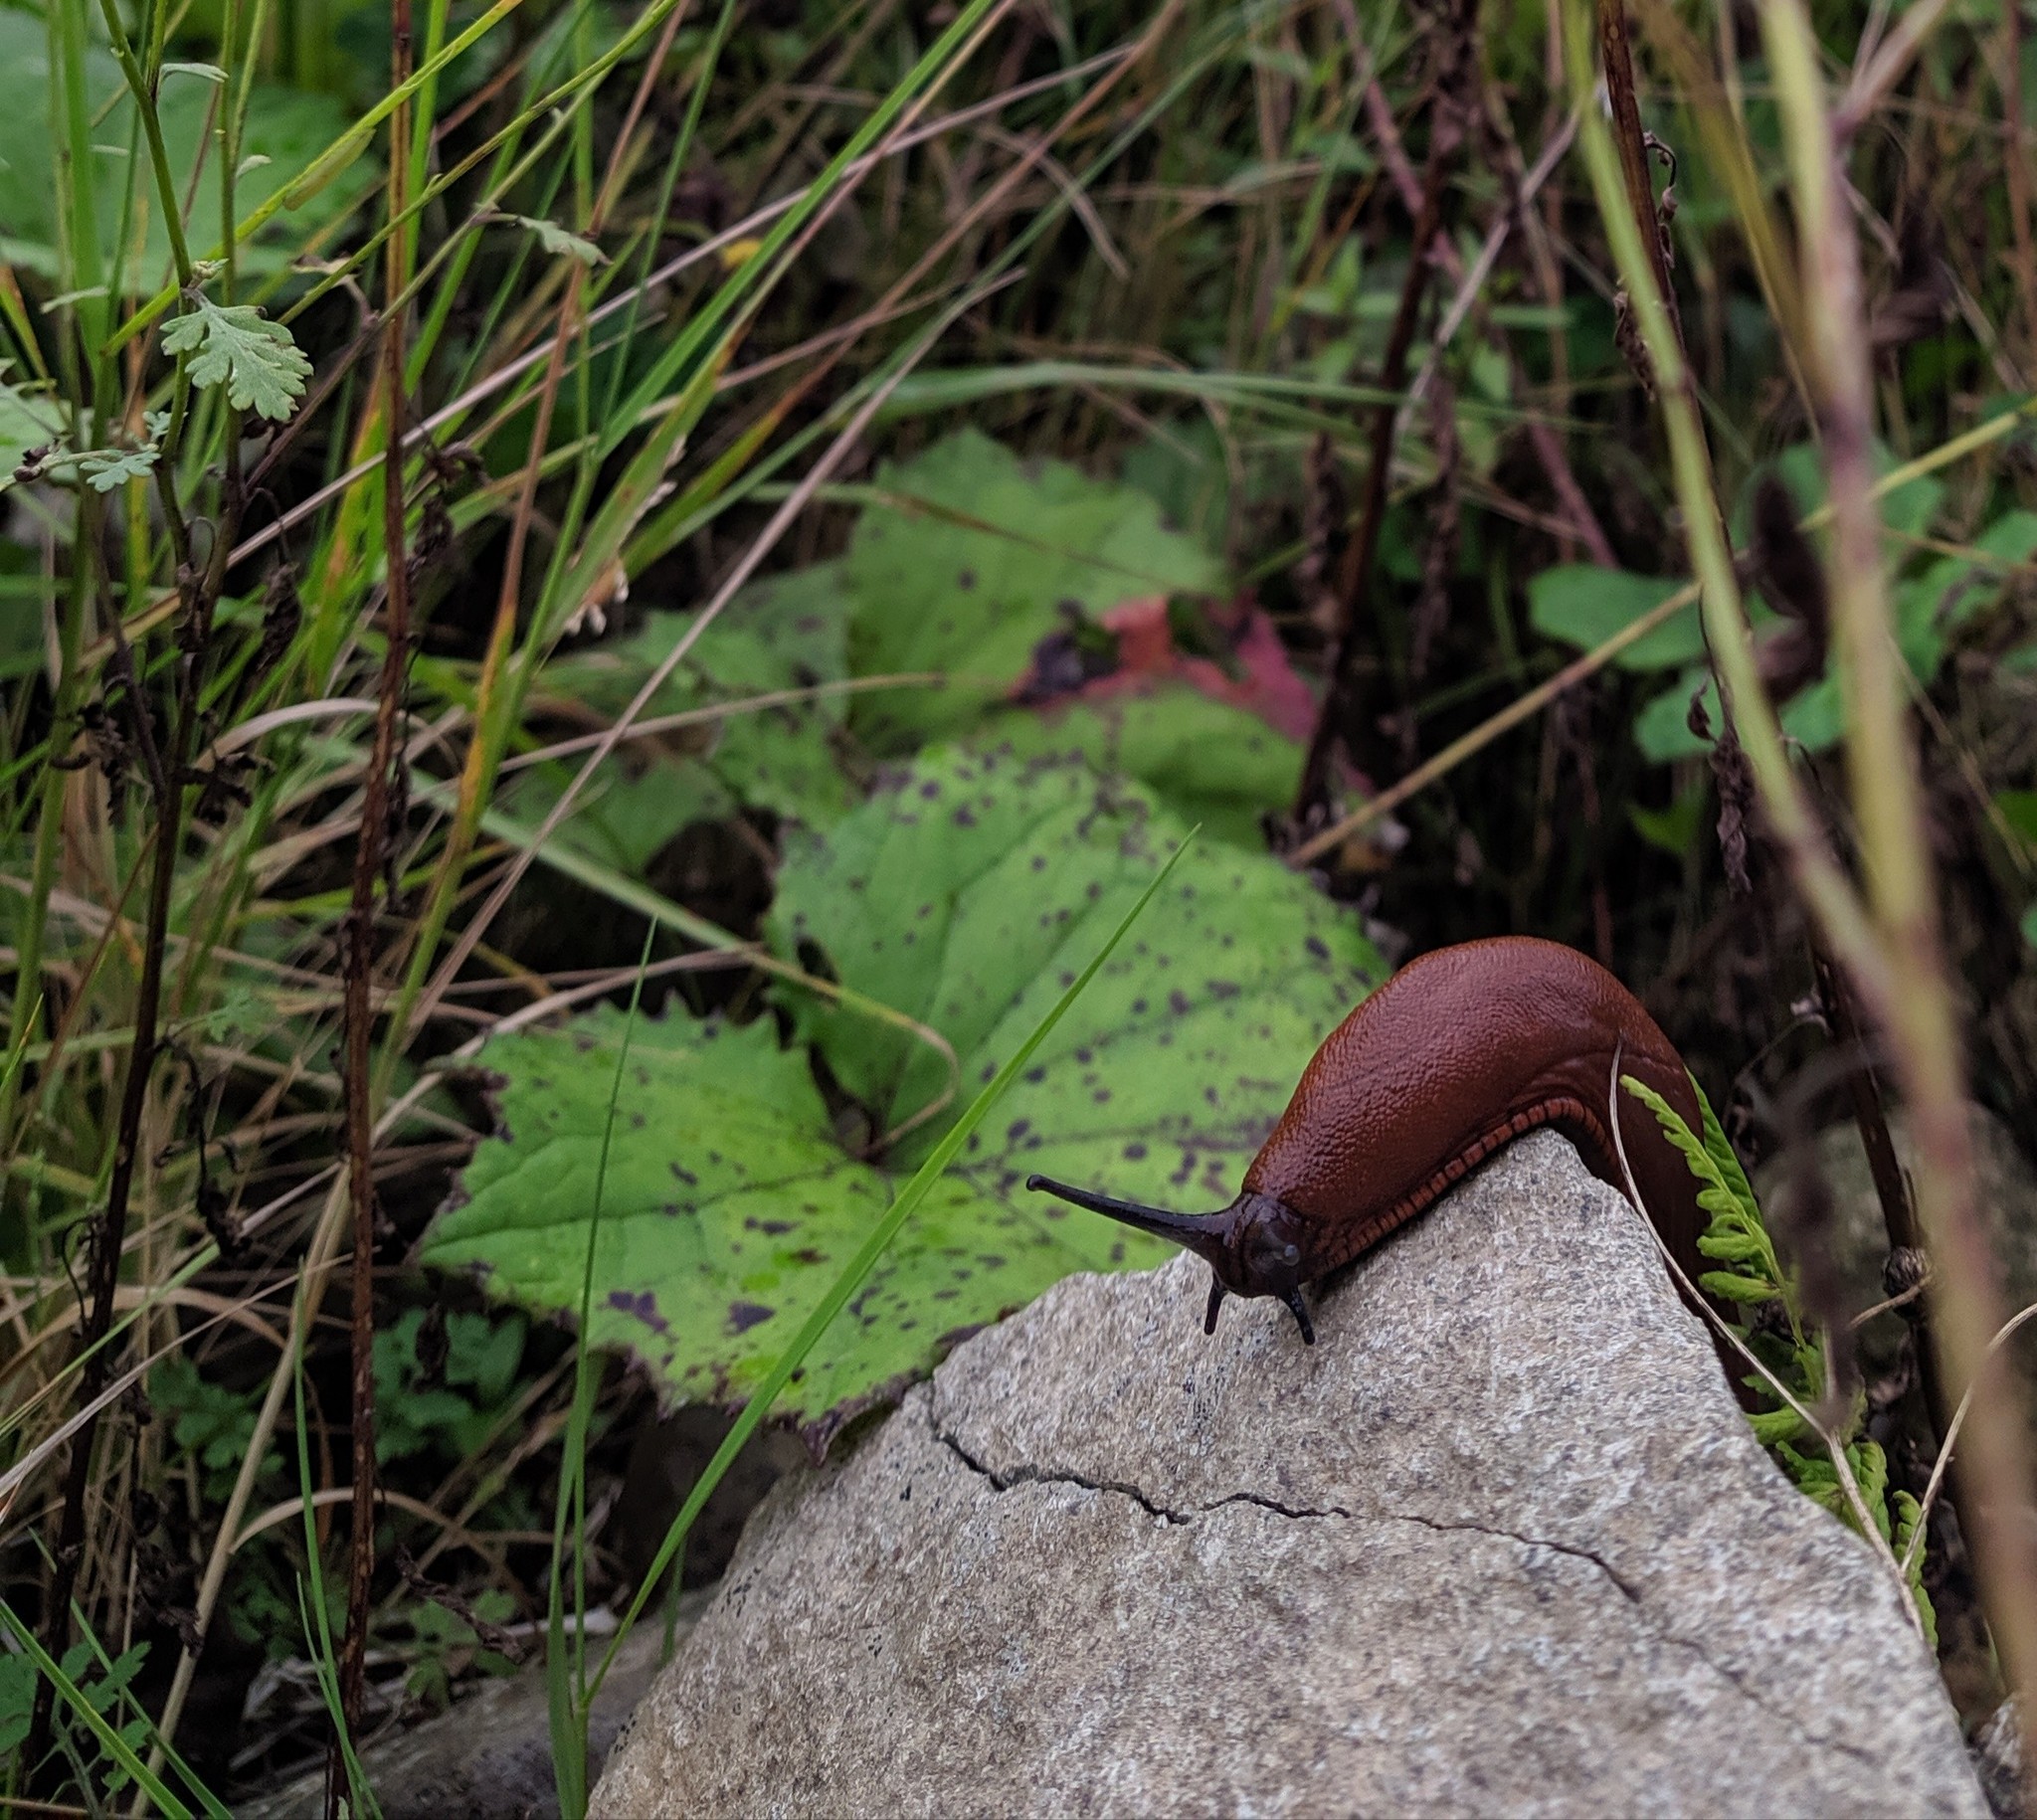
(1500,1544)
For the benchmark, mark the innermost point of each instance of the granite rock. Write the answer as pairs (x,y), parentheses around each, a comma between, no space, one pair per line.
(1500,1544)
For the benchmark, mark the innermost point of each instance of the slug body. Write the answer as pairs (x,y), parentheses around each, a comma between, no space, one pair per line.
(1462,1051)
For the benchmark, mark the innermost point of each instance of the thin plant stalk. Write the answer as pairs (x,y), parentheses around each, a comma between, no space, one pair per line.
(1896,863)
(359,956)
(1890,954)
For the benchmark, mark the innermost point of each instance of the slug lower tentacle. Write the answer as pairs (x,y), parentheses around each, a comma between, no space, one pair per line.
(1462,1051)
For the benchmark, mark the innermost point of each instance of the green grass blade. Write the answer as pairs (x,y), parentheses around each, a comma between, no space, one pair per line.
(325,1662)
(565,1695)
(864,1261)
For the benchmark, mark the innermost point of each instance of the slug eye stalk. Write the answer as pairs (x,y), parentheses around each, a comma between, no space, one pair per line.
(1224,1240)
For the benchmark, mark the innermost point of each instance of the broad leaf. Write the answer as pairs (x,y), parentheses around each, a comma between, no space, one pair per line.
(28,420)
(730,1202)
(1576,604)
(286,129)
(782,635)
(729,1207)
(1207,761)
(971,557)
(962,894)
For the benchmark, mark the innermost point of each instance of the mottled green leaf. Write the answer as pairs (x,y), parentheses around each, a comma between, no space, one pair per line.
(1207,761)
(971,557)
(967,894)
(782,635)
(728,1208)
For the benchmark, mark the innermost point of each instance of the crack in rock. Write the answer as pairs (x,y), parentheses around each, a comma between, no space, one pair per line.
(1037,1475)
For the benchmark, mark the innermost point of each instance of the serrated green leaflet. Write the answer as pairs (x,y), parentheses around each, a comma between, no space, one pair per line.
(730,1203)
(1795,1356)
(236,346)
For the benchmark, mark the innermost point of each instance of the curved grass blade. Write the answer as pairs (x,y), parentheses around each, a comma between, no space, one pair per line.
(861,1266)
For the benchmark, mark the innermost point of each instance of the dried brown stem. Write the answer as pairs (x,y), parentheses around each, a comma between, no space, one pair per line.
(358,959)
(109,1233)
(1890,1186)
(1617,60)
(1918,1016)
(1446,133)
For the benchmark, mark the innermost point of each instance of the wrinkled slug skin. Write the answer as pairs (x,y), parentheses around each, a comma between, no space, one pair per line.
(1463,1050)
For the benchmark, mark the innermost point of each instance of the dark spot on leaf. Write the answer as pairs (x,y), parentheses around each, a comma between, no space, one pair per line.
(1316,947)
(965,817)
(643,1305)
(1178,1004)
(1017,1129)
(686,1175)
(966,580)
(772,1227)
(742,1316)
(1134,1153)
(1222,989)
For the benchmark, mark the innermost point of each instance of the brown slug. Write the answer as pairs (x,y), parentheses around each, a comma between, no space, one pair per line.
(1462,1051)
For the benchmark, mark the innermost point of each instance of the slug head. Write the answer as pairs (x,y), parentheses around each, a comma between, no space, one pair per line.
(1256,1247)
